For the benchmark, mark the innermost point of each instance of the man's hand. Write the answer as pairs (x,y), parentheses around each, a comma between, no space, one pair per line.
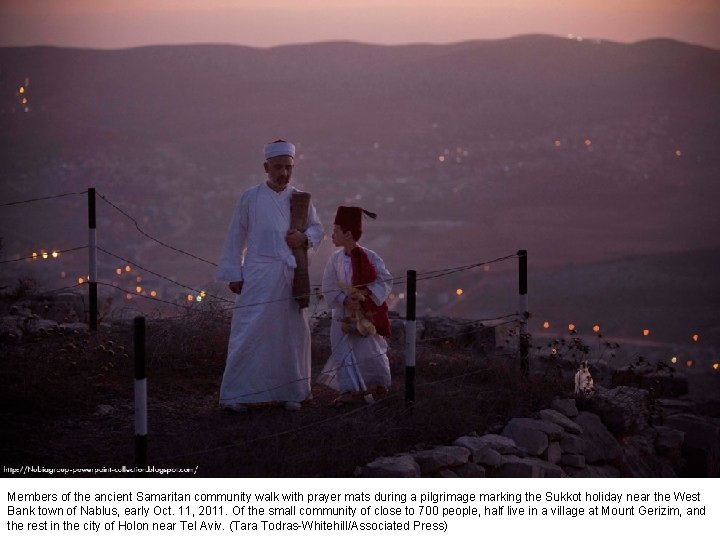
(236,286)
(295,239)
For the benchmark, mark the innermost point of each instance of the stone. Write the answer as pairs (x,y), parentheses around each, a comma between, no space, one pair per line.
(469,470)
(441,457)
(517,467)
(640,459)
(35,326)
(662,380)
(669,442)
(623,409)
(549,470)
(10,329)
(445,473)
(527,435)
(553,454)
(561,420)
(600,445)
(573,460)
(403,466)
(572,444)
(480,451)
(593,471)
(503,445)
(701,446)
(568,407)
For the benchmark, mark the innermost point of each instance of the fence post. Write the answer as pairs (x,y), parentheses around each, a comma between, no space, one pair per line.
(524,314)
(410,333)
(140,395)
(92,250)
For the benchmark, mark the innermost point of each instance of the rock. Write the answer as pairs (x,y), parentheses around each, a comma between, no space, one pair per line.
(527,435)
(78,327)
(669,443)
(517,467)
(502,445)
(623,409)
(701,447)
(572,444)
(403,466)
(561,420)
(593,471)
(441,457)
(10,329)
(553,454)
(549,470)
(445,473)
(36,326)
(567,407)
(573,460)
(480,451)
(600,445)
(470,470)
(661,380)
(640,459)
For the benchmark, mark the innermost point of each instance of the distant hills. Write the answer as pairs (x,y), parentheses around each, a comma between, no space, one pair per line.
(580,152)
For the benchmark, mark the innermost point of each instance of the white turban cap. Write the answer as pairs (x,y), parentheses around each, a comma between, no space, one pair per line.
(279,148)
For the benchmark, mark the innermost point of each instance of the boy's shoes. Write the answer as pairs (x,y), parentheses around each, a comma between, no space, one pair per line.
(293,405)
(236,408)
(369,399)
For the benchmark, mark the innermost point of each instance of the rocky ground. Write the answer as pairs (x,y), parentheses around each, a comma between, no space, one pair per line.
(68,403)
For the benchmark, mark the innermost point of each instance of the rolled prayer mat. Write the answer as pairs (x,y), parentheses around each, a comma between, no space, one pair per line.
(299,208)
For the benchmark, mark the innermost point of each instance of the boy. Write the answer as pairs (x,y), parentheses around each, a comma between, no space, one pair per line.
(356,285)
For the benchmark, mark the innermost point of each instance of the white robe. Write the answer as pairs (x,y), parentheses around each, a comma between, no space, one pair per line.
(356,362)
(269,347)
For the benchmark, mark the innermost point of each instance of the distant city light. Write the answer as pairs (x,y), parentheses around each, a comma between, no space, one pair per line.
(674,359)
(401,296)
(690,363)
(678,153)
(198,298)
(128,269)
(696,337)
(34,255)
(44,254)
(128,296)
(546,325)
(55,254)
(646,332)
(571,327)
(558,144)
(118,271)
(22,90)
(486,268)
(459,292)
(190,298)
(596,328)
(716,366)
(588,142)
(153,293)
(138,290)
(441,158)
(81,280)
(203,294)
(138,279)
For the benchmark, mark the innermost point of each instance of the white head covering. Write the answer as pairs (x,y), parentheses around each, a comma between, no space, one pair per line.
(279,148)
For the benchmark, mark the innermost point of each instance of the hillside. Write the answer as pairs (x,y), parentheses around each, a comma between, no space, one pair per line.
(579,152)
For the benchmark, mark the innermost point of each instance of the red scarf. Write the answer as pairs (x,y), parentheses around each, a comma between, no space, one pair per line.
(363,274)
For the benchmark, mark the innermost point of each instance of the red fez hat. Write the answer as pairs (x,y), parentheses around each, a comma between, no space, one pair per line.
(350,219)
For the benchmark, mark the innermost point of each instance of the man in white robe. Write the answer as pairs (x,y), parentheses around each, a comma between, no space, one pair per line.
(269,347)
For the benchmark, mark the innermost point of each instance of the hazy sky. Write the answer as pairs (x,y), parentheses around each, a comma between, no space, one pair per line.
(129,23)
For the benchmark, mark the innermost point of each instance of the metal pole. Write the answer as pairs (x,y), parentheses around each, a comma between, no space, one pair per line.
(524,313)
(410,334)
(92,250)
(140,395)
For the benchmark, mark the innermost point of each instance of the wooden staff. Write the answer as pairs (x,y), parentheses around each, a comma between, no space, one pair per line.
(299,208)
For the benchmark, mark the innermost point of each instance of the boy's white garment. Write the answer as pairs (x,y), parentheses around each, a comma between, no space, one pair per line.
(269,347)
(356,362)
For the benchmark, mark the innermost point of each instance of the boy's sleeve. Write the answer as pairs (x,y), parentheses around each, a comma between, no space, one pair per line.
(380,289)
(334,296)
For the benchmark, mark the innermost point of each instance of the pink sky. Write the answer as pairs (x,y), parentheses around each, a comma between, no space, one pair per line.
(129,23)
